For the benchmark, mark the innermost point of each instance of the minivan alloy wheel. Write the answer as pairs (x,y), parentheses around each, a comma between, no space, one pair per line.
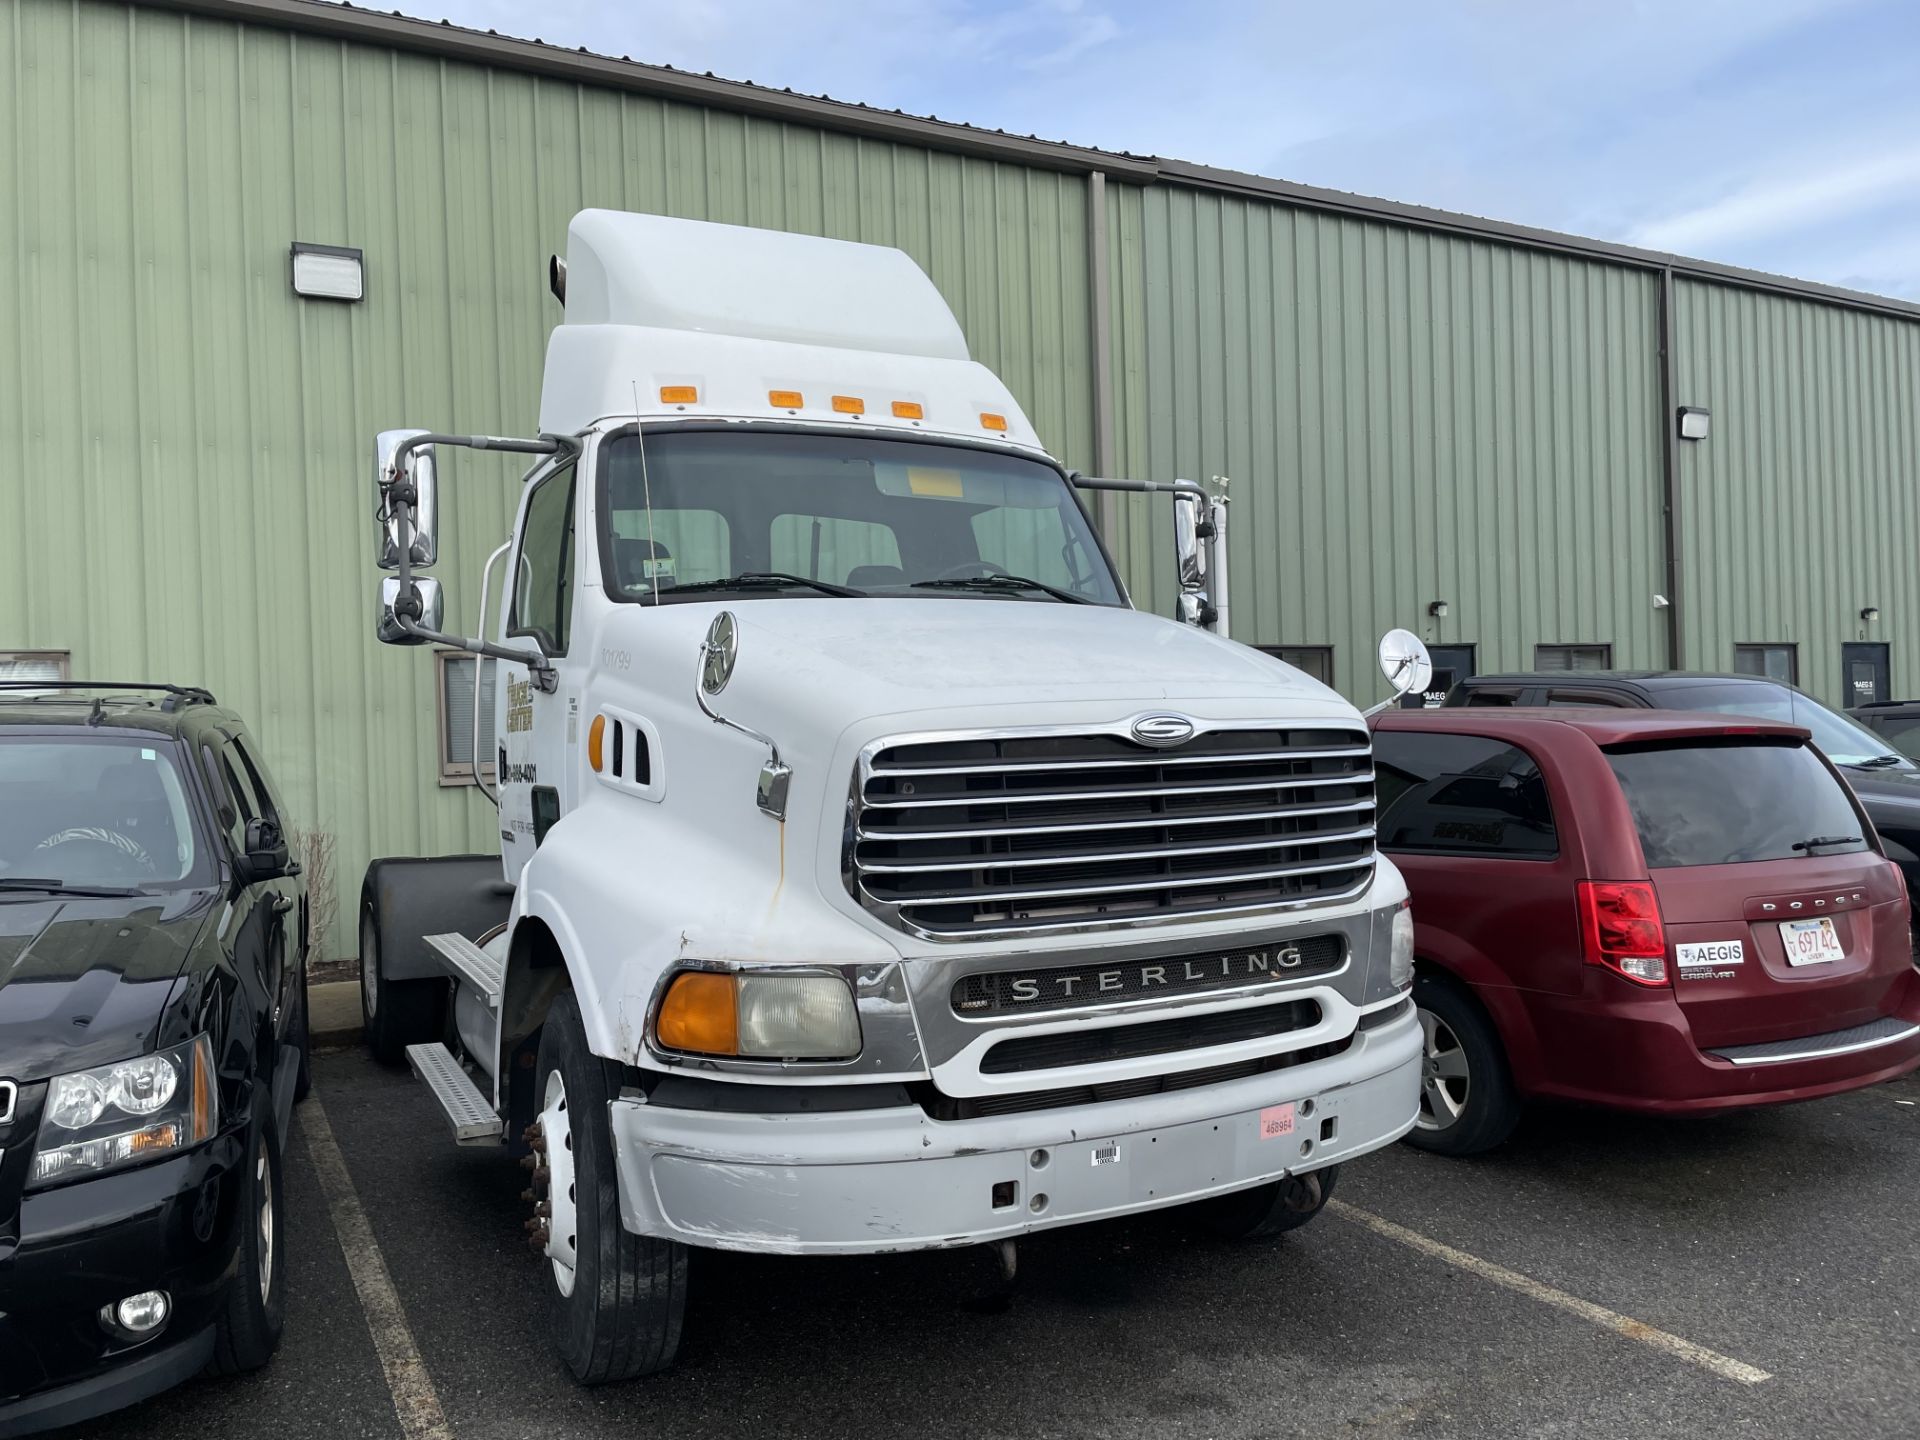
(1445,1080)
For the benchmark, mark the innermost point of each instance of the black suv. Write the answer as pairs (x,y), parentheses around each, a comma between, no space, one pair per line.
(1887,782)
(1895,721)
(153,1021)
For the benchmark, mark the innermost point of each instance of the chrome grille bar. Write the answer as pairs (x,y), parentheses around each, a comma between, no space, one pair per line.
(964,831)
(1022,766)
(998,797)
(1096,857)
(1164,882)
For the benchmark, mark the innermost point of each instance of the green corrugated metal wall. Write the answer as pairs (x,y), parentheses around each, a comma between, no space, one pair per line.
(187,443)
(1800,508)
(1406,415)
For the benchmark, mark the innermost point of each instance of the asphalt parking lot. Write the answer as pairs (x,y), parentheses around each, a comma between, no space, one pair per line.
(1443,1298)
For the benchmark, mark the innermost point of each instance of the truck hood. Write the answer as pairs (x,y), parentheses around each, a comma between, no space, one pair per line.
(881,656)
(84,982)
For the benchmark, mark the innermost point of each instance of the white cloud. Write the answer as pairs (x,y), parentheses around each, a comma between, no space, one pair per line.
(1810,197)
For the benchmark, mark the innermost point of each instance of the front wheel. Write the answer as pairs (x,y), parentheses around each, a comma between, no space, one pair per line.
(618,1298)
(247,1331)
(1467,1100)
(1271,1209)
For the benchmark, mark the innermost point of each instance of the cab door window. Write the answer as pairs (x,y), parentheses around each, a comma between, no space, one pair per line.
(543,573)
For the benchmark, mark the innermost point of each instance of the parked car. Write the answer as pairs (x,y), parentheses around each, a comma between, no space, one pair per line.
(1643,910)
(153,1022)
(1887,782)
(1895,721)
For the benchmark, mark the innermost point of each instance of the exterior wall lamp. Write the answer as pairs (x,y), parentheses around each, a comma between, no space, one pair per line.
(328,272)
(1694,422)
(1870,614)
(1437,609)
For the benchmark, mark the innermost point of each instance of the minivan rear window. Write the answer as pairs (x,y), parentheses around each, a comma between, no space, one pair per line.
(1726,804)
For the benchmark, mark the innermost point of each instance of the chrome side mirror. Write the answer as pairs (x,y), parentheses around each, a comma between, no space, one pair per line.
(421,478)
(1190,557)
(426,608)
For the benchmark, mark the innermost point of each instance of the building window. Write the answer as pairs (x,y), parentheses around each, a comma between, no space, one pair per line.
(457,671)
(1776,662)
(1314,660)
(1573,657)
(35,665)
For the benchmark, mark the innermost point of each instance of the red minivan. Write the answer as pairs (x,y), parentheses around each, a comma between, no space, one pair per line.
(1642,909)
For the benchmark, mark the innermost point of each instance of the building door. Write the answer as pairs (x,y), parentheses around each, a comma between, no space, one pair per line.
(1864,681)
(1451,664)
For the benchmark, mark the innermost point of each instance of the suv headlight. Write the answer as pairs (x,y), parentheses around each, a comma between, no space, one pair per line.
(759,1016)
(1400,963)
(126,1113)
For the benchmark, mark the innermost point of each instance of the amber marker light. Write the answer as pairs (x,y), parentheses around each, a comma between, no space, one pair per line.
(679,395)
(849,405)
(596,741)
(908,410)
(786,400)
(699,1014)
(990,421)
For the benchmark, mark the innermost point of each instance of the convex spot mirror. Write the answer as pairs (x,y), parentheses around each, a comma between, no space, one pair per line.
(430,603)
(1405,662)
(265,856)
(422,475)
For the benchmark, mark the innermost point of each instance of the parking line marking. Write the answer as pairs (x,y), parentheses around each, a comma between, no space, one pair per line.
(1710,1360)
(414,1399)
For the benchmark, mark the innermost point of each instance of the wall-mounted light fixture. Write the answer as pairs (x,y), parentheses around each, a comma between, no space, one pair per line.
(328,272)
(1870,614)
(1694,422)
(1437,609)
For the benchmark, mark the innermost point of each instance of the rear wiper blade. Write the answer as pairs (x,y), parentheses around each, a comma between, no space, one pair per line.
(38,886)
(1820,841)
(1002,582)
(761,580)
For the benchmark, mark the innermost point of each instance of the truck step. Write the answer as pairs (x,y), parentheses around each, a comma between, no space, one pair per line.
(468,1110)
(474,965)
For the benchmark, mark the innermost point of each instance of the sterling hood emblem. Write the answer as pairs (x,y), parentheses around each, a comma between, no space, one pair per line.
(1163,729)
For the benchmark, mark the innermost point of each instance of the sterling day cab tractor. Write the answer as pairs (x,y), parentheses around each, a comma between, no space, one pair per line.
(872,877)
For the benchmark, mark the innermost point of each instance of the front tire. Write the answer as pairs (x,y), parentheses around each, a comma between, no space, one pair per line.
(1467,1099)
(394,1013)
(618,1298)
(1272,1209)
(247,1331)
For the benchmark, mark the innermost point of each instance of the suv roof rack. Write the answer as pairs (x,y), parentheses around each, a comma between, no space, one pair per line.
(76,690)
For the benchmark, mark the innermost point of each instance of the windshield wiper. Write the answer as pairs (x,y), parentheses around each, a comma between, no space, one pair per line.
(1005,583)
(1821,841)
(38,886)
(758,580)
(1878,762)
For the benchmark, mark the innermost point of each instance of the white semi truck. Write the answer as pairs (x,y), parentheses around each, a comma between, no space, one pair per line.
(872,875)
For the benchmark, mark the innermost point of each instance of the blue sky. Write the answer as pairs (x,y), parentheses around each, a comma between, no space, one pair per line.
(1778,134)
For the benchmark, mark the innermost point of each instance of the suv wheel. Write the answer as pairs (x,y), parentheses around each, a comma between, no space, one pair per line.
(247,1330)
(1467,1103)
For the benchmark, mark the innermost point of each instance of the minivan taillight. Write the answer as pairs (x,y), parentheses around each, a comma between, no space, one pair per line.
(1620,928)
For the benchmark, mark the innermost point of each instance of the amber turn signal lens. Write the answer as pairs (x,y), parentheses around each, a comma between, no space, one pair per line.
(699,1014)
(596,737)
(679,395)
(908,410)
(990,421)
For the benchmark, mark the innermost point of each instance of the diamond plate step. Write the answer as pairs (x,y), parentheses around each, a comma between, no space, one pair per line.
(469,1111)
(474,965)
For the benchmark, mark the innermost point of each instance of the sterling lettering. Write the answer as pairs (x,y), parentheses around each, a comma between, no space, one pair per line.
(975,994)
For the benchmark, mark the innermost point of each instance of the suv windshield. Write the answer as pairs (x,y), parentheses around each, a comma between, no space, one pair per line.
(1722,804)
(93,812)
(739,515)
(1844,741)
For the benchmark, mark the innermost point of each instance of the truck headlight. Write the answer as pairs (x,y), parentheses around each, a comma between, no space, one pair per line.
(764,1017)
(125,1113)
(1400,963)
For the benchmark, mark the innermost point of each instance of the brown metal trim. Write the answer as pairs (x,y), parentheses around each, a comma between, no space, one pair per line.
(1669,463)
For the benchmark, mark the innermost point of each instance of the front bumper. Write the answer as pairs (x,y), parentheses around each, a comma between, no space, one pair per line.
(867,1181)
(172,1226)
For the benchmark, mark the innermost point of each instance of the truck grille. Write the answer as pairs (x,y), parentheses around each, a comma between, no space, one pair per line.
(957,837)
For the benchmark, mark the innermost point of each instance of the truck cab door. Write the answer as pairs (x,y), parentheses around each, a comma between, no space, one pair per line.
(539,731)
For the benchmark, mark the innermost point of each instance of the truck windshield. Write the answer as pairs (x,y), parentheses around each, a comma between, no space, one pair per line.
(704,513)
(92,813)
